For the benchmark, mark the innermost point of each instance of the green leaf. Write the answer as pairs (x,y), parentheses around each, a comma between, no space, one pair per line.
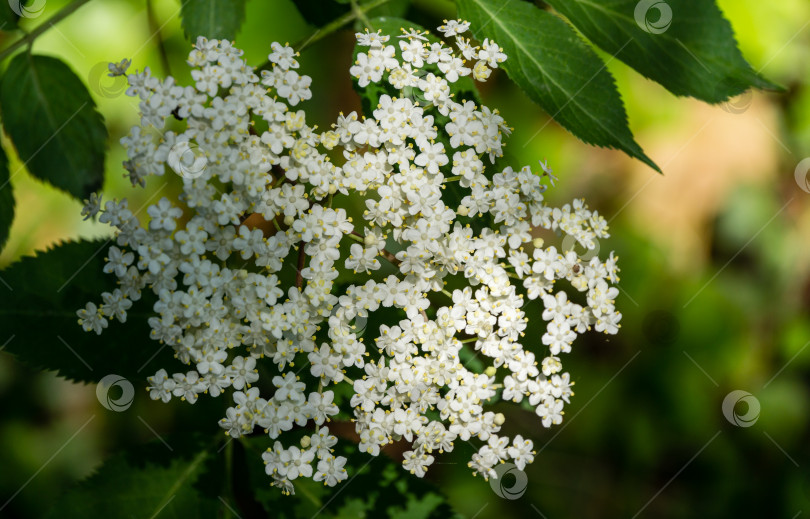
(320,12)
(38,307)
(145,482)
(6,199)
(393,8)
(53,123)
(558,71)
(686,45)
(220,19)
(8,18)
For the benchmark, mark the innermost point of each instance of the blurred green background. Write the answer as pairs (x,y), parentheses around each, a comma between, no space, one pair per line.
(715,284)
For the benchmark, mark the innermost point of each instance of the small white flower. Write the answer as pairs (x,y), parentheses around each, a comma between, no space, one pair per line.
(120,68)
(283,56)
(352,317)
(91,206)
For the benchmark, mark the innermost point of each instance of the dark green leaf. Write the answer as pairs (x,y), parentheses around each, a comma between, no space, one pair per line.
(686,45)
(38,307)
(6,199)
(53,123)
(393,8)
(321,12)
(549,61)
(8,18)
(146,482)
(220,19)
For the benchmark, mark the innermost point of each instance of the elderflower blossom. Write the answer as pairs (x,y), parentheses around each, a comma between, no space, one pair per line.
(262,262)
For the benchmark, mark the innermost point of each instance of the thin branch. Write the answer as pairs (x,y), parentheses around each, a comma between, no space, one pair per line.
(302,256)
(384,252)
(329,28)
(361,15)
(154,28)
(29,38)
(390,257)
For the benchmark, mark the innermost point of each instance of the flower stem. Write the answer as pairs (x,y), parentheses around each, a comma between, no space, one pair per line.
(331,27)
(390,257)
(385,253)
(29,38)
(302,257)
(361,15)
(154,28)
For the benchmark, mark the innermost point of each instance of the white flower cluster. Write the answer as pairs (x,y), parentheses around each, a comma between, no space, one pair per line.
(261,267)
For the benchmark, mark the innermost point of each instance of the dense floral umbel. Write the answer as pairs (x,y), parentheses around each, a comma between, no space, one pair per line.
(248,278)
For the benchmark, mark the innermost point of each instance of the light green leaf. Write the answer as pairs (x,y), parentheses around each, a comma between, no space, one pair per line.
(38,304)
(6,200)
(53,123)
(220,19)
(148,482)
(686,45)
(558,71)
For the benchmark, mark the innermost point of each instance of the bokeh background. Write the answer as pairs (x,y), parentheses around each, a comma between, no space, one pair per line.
(715,288)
